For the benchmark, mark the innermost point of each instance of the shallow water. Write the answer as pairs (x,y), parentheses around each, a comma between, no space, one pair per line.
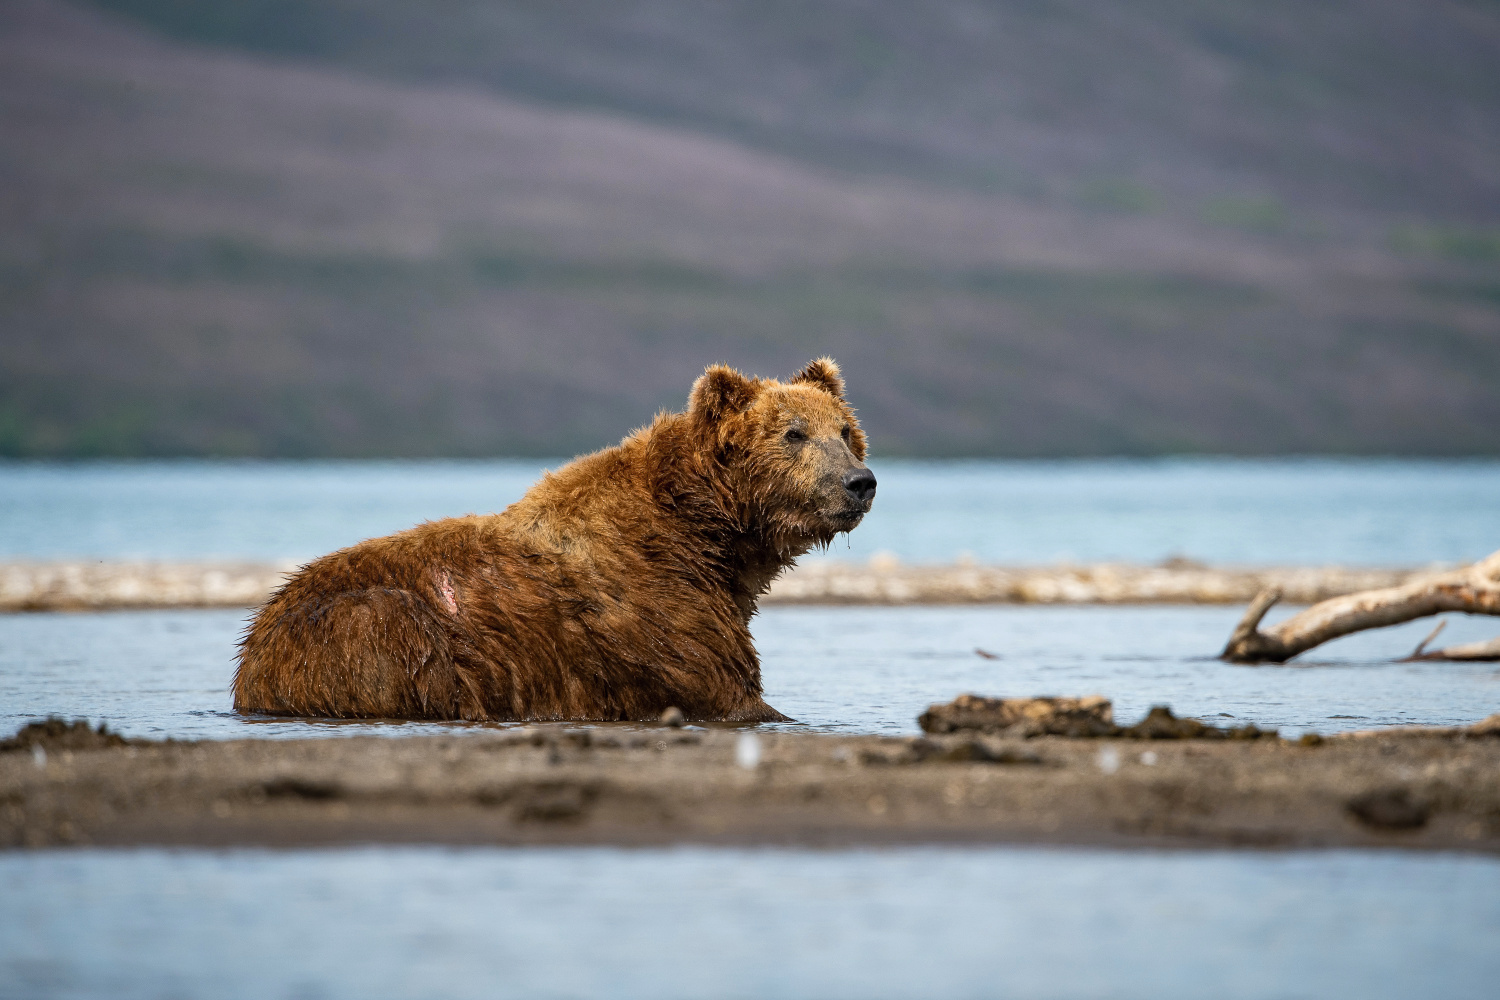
(951,923)
(1270,511)
(872,670)
(852,669)
(428,922)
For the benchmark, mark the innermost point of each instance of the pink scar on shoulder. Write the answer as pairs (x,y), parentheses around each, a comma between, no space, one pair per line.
(445,590)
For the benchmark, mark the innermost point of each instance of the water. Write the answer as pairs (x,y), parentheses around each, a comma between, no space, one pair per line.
(950,923)
(869,670)
(853,669)
(1273,511)
(426,922)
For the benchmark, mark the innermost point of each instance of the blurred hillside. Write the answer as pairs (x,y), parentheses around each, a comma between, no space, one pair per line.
(388,227)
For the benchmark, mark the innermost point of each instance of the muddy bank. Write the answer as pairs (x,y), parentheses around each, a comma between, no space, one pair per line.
(63,586)
(1426,789)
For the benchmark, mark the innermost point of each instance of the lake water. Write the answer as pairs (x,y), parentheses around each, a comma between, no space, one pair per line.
(416,922)
(1274,511)
(852,669)
(873,670)
(867,924)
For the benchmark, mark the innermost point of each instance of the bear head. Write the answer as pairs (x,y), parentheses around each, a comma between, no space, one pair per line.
(792,452)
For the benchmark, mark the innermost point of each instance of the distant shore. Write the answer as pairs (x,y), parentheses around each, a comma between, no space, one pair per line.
(1434,789)
(96,586)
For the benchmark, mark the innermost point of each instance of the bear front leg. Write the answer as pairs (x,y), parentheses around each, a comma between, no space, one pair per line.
(758,711)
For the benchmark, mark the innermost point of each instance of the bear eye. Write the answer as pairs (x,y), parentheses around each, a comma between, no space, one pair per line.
(795,435)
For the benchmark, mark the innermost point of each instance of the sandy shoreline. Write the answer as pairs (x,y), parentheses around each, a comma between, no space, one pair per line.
(93,585)
(631,784)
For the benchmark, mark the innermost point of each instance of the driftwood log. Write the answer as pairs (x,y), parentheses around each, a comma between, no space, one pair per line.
(1474,590)
(1488,650)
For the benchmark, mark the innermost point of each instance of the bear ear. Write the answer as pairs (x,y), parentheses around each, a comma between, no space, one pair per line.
(823,373)
(720,392)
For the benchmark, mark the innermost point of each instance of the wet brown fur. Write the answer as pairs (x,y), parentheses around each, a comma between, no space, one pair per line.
(619,585)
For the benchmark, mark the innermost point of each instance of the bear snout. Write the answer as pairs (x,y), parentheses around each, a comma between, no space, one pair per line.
(860,484)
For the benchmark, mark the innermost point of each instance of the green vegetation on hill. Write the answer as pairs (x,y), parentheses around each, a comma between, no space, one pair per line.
(377,227)
(1364,105)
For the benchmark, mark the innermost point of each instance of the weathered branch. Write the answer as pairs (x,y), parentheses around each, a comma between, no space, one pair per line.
(1474,589)
(1469,651)
(1437,631)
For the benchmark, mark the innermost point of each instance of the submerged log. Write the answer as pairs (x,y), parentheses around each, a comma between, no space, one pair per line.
(1474,590)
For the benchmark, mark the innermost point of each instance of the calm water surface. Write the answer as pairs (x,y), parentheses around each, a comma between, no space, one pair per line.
(411,922)
(167,673)
(1275,511)
(861,669)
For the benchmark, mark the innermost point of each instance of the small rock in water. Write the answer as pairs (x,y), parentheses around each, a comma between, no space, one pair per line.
(1088,716)
(747,751)
(58,734)
(673,717)
(1161,724)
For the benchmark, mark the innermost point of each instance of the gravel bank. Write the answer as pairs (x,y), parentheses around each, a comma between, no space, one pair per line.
(73,586)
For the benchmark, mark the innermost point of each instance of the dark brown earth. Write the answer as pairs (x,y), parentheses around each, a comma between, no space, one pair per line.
(1421,789)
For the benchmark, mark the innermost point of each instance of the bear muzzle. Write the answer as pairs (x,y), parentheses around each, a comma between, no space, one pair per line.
(860,485)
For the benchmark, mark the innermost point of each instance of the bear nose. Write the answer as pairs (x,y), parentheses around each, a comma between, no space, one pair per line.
(860,483)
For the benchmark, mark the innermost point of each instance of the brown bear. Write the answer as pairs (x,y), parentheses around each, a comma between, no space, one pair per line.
(618,586)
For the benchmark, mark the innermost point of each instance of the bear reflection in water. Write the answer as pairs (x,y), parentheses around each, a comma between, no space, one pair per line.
(618,586)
